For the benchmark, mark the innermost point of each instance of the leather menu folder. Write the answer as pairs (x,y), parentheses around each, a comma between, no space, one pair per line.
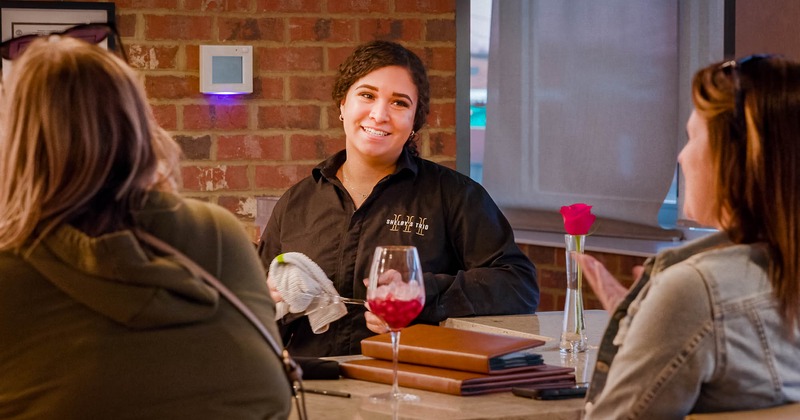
(454,348)
(456,382)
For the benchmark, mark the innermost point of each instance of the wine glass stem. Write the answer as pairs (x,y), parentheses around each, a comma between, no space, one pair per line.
(395,346)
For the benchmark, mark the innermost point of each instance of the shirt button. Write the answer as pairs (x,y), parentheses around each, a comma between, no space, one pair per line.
(601,367)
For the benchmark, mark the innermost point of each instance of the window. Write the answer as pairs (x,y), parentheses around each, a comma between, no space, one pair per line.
(586,101)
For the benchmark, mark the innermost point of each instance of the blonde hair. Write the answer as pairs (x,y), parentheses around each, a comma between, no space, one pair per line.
(79,143)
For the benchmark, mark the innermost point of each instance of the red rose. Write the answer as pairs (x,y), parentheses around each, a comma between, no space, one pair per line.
(578,218)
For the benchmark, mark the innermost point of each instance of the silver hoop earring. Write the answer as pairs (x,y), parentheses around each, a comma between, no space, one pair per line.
(411,136)
(341,118)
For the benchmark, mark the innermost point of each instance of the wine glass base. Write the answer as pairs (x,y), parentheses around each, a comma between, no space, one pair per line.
(392,396)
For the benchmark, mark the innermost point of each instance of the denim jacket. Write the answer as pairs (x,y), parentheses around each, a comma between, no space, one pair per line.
(699,332)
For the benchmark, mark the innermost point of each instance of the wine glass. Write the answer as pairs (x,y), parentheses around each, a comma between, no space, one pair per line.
(395,293)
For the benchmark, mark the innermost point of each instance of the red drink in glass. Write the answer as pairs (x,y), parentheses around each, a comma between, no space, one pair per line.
(396,313)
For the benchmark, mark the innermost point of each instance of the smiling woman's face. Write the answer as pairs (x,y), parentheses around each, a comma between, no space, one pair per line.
(695,160)
(378,114)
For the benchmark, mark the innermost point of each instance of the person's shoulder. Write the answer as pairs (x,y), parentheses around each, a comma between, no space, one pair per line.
(729,258)
(175,208)
(702,272)
(10,261)
(301,192)
(428,168)
(734,270)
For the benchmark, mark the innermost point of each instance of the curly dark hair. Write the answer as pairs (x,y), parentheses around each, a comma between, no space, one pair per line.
(374,55)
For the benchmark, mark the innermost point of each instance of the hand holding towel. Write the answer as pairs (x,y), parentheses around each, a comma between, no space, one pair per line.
(305,288)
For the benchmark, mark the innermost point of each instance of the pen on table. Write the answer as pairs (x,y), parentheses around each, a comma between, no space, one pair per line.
(326,392)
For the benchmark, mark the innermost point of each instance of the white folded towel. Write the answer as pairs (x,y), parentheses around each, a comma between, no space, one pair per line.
(304,286)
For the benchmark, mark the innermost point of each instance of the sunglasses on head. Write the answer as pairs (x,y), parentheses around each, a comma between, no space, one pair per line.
(93,33)
(734,69)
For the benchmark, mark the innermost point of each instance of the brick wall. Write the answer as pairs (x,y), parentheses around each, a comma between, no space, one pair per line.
(240,147)
(553,278)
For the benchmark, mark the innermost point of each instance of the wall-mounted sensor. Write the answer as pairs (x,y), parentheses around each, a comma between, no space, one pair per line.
(226,69)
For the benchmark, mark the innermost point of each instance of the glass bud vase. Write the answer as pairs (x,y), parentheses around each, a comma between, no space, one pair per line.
(573,331)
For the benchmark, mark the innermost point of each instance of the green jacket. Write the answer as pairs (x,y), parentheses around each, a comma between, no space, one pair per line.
(102,328)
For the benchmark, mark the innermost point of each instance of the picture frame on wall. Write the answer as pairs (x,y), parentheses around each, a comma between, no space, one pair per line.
(18,18)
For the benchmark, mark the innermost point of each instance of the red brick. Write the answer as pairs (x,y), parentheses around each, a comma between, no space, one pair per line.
(246,147)
(442,144)
(305,147)
(547,303)
(251,29)
(560,301)
(405,30)
(311,87)
(266,87)
(242,206)
(336,56)
(281,176)
(152,57)
(354,6)
(442,87)
(611,261)
(192,52)
(126,26)
(174,27)
(290,59)
(214,117)
(289,116)
(219,5)
(289,6)
(439,59)
(171,87)
(195,148)
(552,279)
(332,117)
(321,29)
(442,115)
(425,6)
(146,4)
(542,255)
(215,178)
(439,30)
(166,115)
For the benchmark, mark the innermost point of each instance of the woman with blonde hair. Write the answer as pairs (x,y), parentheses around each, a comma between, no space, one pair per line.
(713,325)
(93,323)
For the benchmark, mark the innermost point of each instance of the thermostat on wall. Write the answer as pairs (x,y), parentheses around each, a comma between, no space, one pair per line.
(226,69)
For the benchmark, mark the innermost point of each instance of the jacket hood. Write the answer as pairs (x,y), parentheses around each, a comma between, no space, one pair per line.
(114,276)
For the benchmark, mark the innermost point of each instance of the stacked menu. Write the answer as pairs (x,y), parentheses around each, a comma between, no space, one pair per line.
(455,361)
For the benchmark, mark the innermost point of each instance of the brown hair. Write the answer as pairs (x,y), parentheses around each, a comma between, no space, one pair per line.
(80,144)
(752,107)
(375,55)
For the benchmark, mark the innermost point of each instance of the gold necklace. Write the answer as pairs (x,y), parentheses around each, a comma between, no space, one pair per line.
(347,180)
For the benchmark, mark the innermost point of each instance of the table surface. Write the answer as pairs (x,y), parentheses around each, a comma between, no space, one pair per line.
(501,405)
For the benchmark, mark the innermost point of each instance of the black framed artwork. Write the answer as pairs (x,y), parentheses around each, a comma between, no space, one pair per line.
(18,18)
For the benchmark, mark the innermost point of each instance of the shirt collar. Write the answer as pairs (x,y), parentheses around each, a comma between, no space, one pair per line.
(328,168)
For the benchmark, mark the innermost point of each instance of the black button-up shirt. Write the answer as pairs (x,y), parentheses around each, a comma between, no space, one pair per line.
(470,261)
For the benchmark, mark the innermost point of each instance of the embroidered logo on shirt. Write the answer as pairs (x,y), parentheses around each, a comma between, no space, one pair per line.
(408,224)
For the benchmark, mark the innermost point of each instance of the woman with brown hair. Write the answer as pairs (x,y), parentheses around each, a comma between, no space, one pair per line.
(713,325)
